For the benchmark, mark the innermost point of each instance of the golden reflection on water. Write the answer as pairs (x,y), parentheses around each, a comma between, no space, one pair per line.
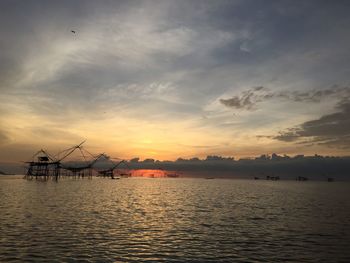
(150,173)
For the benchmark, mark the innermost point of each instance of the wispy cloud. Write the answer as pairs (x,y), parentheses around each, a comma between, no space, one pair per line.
(250,98)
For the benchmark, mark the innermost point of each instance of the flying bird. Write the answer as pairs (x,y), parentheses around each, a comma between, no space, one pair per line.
(73,31)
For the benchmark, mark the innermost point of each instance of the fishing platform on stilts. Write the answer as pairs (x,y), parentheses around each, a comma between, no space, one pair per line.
(44,166)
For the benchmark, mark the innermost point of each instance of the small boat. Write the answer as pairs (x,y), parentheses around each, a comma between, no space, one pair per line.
(272,178)
(302,178)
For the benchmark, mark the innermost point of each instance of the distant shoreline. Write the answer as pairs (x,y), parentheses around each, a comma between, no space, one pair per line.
(205,177)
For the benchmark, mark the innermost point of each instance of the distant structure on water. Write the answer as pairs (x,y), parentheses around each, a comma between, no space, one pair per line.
(302,178)
(44,166)
(272,178)
(172,175)
(109,172)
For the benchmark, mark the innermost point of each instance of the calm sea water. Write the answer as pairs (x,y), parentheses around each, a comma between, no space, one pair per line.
(174,220)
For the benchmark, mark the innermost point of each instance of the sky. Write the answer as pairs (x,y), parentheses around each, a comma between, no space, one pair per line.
(168,79)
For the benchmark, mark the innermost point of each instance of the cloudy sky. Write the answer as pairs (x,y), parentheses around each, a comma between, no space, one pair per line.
(164,79)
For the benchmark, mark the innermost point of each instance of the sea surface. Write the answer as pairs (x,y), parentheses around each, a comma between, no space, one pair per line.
(173,220)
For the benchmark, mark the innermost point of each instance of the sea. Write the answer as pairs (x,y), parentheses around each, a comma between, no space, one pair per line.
(173,220)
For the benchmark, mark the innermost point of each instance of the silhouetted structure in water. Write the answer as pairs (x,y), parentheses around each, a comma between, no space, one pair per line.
(109,172)
(45,166)
(172,175)
(272,178)
(302,178)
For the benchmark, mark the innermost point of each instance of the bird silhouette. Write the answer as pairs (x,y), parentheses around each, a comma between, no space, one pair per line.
(73,31)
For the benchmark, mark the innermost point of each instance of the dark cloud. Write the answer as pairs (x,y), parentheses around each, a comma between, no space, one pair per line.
(287,136)
(250,98)
(246,100)
(237,102)
(332,130)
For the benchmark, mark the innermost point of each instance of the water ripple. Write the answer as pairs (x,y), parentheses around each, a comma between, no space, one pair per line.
(164,220)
